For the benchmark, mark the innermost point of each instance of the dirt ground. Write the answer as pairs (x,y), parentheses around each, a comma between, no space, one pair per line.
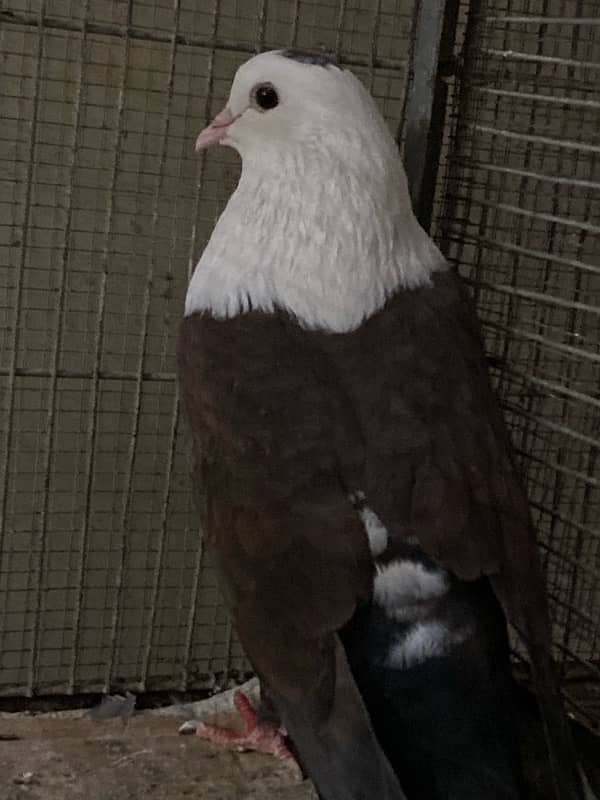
(124,753)
(44,758)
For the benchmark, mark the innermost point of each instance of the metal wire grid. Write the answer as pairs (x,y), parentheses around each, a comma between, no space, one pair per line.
(103,210)
(521,218)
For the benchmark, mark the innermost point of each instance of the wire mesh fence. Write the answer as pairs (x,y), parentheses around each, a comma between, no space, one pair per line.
(520,216)
(104,208)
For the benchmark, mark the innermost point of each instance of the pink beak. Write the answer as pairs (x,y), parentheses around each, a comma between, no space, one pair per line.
(216,131)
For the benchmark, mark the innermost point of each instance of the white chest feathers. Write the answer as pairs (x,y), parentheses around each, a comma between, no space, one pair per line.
(330,251)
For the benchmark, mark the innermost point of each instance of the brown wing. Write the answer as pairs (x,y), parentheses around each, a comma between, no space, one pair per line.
(448,475)
(292,555)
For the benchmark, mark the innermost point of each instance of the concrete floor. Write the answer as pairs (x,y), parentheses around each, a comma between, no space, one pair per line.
(53,758)
(122,754)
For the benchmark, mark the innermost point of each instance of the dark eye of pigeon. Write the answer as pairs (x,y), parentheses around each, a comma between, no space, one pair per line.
(266,96)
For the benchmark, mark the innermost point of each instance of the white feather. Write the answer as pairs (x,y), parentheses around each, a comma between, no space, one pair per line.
(424,641)
(376,531)
(403,588)
(321,223)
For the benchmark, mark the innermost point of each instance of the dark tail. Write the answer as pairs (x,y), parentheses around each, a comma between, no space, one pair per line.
(334,741)
(535,752)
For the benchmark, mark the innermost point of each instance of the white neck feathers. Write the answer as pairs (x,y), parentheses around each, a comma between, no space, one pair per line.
(305,233)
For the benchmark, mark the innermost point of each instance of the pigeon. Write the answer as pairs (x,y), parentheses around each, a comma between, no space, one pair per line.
(334,381)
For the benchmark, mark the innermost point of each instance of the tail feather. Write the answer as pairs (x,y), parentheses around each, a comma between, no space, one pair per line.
(535,753)
(334,740)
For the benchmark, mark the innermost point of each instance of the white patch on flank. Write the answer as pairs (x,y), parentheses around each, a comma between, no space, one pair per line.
(424,641)
(376,531)
(321,223)
(402,586)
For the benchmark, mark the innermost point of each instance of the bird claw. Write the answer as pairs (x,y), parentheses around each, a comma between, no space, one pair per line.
(258,736)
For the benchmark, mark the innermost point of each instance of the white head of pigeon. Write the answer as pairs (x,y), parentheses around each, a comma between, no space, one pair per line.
(321,223)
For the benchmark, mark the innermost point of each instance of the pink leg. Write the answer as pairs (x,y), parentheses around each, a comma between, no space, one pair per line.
(261,737)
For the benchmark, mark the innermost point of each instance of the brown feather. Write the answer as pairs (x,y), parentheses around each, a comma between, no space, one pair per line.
(287,422)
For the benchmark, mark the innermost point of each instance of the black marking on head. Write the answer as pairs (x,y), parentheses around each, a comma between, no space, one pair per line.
(316,59)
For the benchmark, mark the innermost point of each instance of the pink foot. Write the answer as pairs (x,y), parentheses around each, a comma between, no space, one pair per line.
(260,737)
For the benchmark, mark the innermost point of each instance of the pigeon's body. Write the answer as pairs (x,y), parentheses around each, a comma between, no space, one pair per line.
(328,358)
